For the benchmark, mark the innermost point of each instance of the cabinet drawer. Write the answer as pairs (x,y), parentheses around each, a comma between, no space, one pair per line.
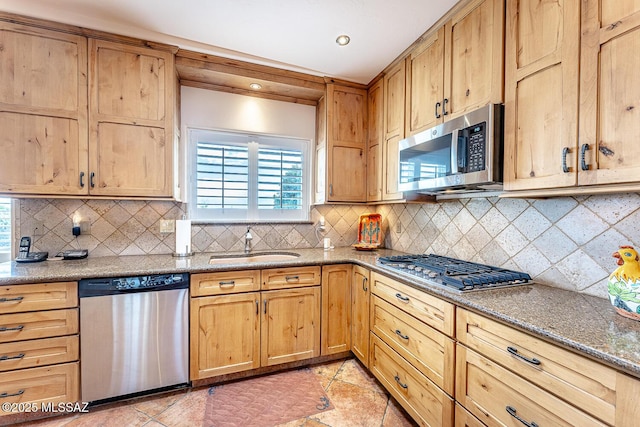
(497,396)
(40,296)
(47,351)
(465,419)
(430,351)
(225,282)
(433,311)
(421,398)
(39,324)
(57,383)
(582,382)
(282,278)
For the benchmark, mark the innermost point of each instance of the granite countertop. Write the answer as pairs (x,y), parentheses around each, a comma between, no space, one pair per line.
(576,321)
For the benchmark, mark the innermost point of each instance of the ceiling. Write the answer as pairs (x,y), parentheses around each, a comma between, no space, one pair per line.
(297,35)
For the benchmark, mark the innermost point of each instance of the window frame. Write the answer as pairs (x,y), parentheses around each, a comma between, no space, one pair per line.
(7,256)
(254,142)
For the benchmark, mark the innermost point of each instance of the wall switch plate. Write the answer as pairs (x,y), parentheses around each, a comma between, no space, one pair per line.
(167,226)
(85,227)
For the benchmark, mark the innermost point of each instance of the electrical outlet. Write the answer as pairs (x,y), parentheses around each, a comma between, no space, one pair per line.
(167,226)
(399,227)
(85,227)
(38,229)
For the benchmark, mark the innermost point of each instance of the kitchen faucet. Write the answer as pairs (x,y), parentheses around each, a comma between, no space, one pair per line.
(247,240)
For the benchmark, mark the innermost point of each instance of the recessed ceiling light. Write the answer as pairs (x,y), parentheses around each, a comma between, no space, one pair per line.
(255,86)
(343,40)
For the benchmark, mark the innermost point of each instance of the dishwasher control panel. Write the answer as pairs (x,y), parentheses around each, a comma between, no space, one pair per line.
(110,286)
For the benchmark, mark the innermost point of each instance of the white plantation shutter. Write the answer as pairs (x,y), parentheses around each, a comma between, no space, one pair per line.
(241,177)
(5,229)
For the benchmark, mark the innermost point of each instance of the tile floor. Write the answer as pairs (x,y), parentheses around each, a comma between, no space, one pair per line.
(357,397)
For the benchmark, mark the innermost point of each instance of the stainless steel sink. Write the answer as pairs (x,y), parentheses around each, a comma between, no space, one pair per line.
(254,257)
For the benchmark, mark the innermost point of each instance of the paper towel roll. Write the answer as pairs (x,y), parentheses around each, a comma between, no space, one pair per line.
(183,236)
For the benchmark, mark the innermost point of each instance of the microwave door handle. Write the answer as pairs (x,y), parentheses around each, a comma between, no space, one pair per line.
(454,152)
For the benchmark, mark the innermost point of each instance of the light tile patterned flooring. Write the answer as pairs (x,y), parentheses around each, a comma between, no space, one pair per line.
(358,400)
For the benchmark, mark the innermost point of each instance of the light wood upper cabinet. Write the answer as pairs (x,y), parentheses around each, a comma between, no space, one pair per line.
(375,111)
(394,99)
(360,300)
(541,94)
(43,111)
(609,93)
(425,84)
(131,120)
(336,309)
(341,160)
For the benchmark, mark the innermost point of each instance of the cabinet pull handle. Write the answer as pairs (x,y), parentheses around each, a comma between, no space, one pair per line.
(91,176)
(565,151)
(81,179)
(17,328)
(257,307)
(364,284)
(11,299)
(18,356)
(438,110)
(227,283)
(265,306)
(444,107)
(331,189)
(5,394)
(404,386)
(402,297)
(514,351)
(399,333)
(583,162)
(512,411)
(290,278)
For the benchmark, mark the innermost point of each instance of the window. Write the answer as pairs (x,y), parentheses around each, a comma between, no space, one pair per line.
(5,229)
(240,177)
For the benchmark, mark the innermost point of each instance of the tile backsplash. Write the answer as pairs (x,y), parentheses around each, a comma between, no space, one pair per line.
(565,242)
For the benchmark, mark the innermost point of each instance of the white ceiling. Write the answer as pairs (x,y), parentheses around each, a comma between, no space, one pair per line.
(297,35)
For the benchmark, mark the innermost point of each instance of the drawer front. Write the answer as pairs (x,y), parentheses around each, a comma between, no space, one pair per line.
(578,380)
(420,397)
(47,351)
(39,324)
(433,311)
(227,282)
(41,296)
(498,397)
(57,383)
(294,277)
(430,351)
(465,419)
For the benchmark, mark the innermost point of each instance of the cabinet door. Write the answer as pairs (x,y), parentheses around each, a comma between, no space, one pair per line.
(394,99)
(541,93)
(290,325)
(425,81)
(43,111)
(131,120)
(320,184)
(360,293)
(225,334)
(346,157)
(610,93)
(375,110)
(336,309)
(391,169)
(474,57)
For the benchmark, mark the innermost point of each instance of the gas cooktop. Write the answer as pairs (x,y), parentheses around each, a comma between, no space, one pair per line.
(452,273)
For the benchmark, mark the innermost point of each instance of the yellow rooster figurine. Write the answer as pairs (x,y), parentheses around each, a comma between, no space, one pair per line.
(624,283)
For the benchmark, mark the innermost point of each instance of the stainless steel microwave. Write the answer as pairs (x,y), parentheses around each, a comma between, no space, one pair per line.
(462,153)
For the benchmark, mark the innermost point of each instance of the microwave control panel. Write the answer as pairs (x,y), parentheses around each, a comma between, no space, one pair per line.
(476,147)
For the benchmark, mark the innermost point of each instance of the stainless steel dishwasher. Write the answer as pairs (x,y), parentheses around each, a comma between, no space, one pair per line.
(133,334)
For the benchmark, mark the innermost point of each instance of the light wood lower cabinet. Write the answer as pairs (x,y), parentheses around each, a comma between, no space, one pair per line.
(290,325)
(421,398)
(499,397)
(40,296)
(238,331)
(336,309)
(42,352)
(360,297)
(464,419)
